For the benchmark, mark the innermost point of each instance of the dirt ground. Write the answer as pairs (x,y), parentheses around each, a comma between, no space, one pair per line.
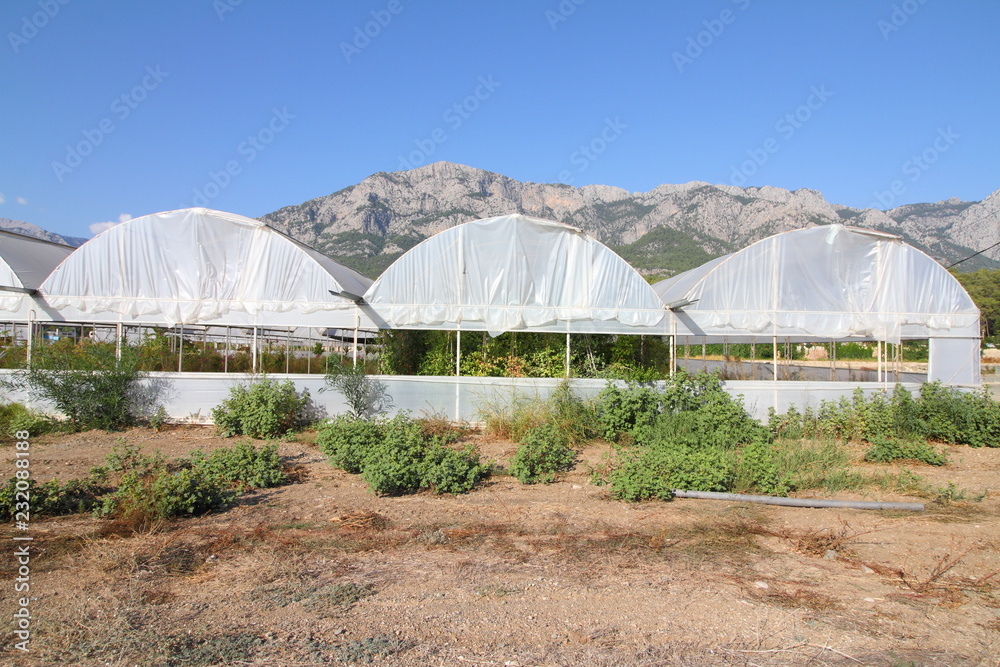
(322,571)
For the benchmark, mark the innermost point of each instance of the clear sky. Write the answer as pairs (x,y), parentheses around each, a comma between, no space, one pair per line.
(123,108)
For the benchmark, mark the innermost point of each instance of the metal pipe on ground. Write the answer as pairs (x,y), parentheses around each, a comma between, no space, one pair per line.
(799,502)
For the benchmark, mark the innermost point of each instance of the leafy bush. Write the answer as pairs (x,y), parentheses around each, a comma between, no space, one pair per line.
(142,499)
(89,385)
(945,414)
(394,465)
(887,450)
(759,470)
(445,470)
(346,441)
(16,417)
(542,453)
(262,409)
(654,472)
(621,410)
(243,465)
(49,499)
(397,456)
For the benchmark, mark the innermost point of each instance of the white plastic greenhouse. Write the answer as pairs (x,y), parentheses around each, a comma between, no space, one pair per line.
(515,273)
(198,266)
(830,283)
(24,263)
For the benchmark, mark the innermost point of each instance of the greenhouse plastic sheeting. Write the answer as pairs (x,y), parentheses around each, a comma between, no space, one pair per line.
(24,263)
(202,266)
(514,273)
(828,282)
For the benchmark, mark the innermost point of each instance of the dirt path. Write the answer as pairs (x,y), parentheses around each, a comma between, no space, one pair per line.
(323,572)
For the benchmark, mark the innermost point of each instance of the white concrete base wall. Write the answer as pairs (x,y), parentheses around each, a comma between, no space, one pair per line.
(190,397)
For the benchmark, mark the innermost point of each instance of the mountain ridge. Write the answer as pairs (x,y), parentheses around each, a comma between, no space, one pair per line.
(369,224)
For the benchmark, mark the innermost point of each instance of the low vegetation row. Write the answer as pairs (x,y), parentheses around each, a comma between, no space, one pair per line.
(684,433)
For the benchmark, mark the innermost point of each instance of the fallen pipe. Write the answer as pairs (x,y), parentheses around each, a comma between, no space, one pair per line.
(799,502)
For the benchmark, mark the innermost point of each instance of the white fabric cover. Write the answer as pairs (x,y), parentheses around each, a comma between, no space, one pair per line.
(25,262)
(828,282)
(515,273)
(201,266)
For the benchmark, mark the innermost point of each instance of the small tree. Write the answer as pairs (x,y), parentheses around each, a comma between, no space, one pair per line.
(88,384)
(365,396)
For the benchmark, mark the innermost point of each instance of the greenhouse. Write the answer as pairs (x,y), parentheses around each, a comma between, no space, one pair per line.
(829,283)
(515,273)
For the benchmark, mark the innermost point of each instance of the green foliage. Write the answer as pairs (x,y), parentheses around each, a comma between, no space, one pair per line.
(620,410)
(939,413)
(887,450)
(394,465)
(654,472)
(396,456)
(243,465)
(16,417)
(760,470)
(445,470)
(87,384)
(346,441)
(984,288)
(263,408)
(543,452)
(49,499)
(365,396)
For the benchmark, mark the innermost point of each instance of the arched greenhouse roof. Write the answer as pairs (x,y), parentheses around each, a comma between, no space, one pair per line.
(515,273)
(24,263)
(826,282)
(199,266)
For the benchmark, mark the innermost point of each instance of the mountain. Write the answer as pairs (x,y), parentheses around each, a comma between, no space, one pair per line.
(28,229)
(671,228)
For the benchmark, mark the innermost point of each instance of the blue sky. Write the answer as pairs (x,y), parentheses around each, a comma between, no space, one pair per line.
(115,108)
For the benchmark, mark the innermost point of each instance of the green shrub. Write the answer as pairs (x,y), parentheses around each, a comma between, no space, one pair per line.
(393,465)
(396,456)
(16,417)
(654,472)
(619,410)
(144,499)
(887,450)
(946,414)
(346,440)
(759,470)
(542,453)
(445,470)
(262,409)
(49,499)
(89,385)
(243,465)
